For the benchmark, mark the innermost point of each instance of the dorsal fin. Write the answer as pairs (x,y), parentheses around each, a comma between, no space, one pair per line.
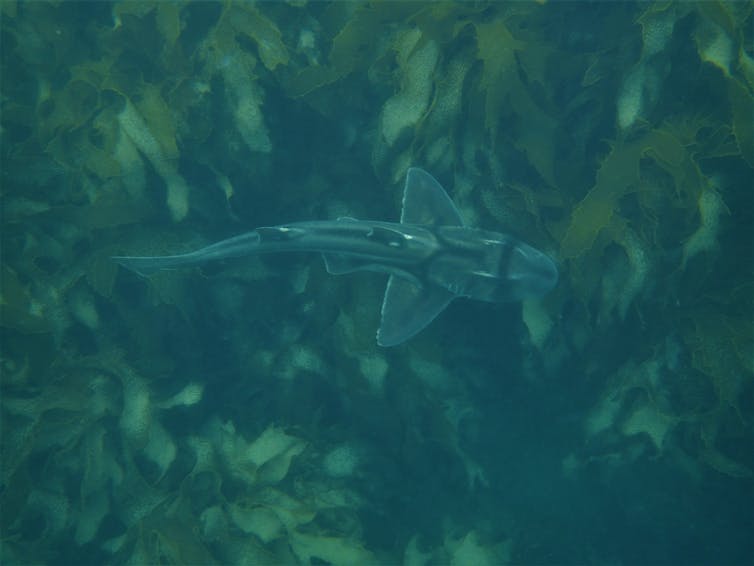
(426,202)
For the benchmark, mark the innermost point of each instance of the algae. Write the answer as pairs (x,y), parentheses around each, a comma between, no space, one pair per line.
(294,438)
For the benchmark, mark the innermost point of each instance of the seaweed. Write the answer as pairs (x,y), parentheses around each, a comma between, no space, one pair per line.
(235,413)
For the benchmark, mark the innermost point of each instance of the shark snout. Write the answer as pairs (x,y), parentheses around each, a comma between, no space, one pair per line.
(534,271)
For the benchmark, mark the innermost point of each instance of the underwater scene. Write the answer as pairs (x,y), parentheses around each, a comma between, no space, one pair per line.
(241,411)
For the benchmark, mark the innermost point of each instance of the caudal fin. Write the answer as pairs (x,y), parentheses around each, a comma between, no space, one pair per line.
(147,266)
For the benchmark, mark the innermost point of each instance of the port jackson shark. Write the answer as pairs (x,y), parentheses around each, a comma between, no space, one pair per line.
(431,257)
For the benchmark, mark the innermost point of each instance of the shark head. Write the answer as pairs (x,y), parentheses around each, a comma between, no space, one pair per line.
(529,273)
(493,267)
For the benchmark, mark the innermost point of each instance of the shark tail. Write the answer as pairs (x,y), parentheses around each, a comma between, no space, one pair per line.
(146,266)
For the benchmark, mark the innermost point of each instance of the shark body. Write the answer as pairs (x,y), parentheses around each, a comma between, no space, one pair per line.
(430,256)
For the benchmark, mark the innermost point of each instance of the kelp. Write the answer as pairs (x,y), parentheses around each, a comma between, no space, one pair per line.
(742,108)
(18,309)
(513,105)
(618,176)
(505,93)
(167,16)
(248,21)
(496,48)
(352,43)
(720,38)
(720,348)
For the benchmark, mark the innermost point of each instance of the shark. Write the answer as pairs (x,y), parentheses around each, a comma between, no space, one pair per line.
(430,256)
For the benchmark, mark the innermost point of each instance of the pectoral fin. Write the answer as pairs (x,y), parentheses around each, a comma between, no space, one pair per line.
(407,308)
